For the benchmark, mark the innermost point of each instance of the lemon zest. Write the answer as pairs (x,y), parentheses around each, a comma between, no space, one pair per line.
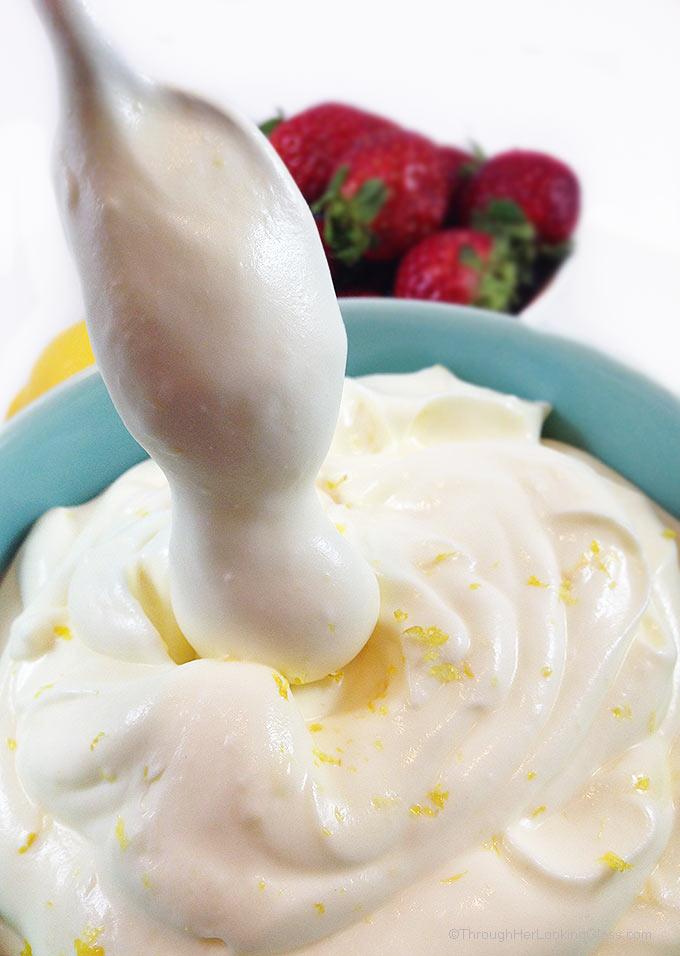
(282,684)
(121,835)
(30,840)
(454,879)
(615,862)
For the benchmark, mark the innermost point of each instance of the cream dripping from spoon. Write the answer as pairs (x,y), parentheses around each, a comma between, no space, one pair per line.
(215,325)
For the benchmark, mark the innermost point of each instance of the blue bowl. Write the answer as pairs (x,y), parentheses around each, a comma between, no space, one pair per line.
(70,444)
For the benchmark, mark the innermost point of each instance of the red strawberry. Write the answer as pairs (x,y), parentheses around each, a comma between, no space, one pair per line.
(389,191)
(312,142)
(458,168)
(458,265)
(545,189)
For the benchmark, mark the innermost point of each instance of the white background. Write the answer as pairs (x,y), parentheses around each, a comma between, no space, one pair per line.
(594,81)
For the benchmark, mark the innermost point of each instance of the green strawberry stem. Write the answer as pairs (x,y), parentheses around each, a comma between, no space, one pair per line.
(498,284)
(268,126)
(506,222)
(478,158)
(347,219)
(533,261)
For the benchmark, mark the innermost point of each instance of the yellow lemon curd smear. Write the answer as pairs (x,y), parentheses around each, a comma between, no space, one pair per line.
(68,353)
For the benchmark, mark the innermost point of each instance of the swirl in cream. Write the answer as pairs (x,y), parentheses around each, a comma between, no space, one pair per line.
(500,754)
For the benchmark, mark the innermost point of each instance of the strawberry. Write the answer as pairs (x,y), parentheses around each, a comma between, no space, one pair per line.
(458,265)
(312,142)
(389,191)
(544,188)
(459,166)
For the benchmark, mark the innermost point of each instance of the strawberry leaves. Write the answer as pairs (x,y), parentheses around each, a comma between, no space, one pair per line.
(347,219)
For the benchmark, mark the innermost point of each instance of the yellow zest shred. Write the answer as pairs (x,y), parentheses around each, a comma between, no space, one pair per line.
(63,632)
(418,810)
(454,879)
(531,775)
(642,783)
(30,840)
(475,586)
(492,844)
(382,802)
(87,946)
(669,533)
(535,582)
(622,713)
(282,684)
(332,485)
(145,881)
(120,834)
(400,615)
(325,758)
(320,908)
(342,528)
(11,743)
(546,672)
(315,728)
(432,637)
(438,797)
(445,673)
(615,862)
(537,811)
(564,592)
(379,744)
(261,884)
(602,566)
(96,740)
(41,689)
(26,951)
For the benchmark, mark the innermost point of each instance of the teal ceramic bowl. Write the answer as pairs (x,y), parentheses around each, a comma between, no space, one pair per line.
(71,444)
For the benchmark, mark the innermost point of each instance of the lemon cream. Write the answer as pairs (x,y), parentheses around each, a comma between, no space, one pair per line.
(214,322)
(501,755)
(358,668)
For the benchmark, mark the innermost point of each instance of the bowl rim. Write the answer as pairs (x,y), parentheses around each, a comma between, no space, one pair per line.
(383,335)
(385,307)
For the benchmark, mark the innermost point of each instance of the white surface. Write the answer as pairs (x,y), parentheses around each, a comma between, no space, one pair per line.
(593,81)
